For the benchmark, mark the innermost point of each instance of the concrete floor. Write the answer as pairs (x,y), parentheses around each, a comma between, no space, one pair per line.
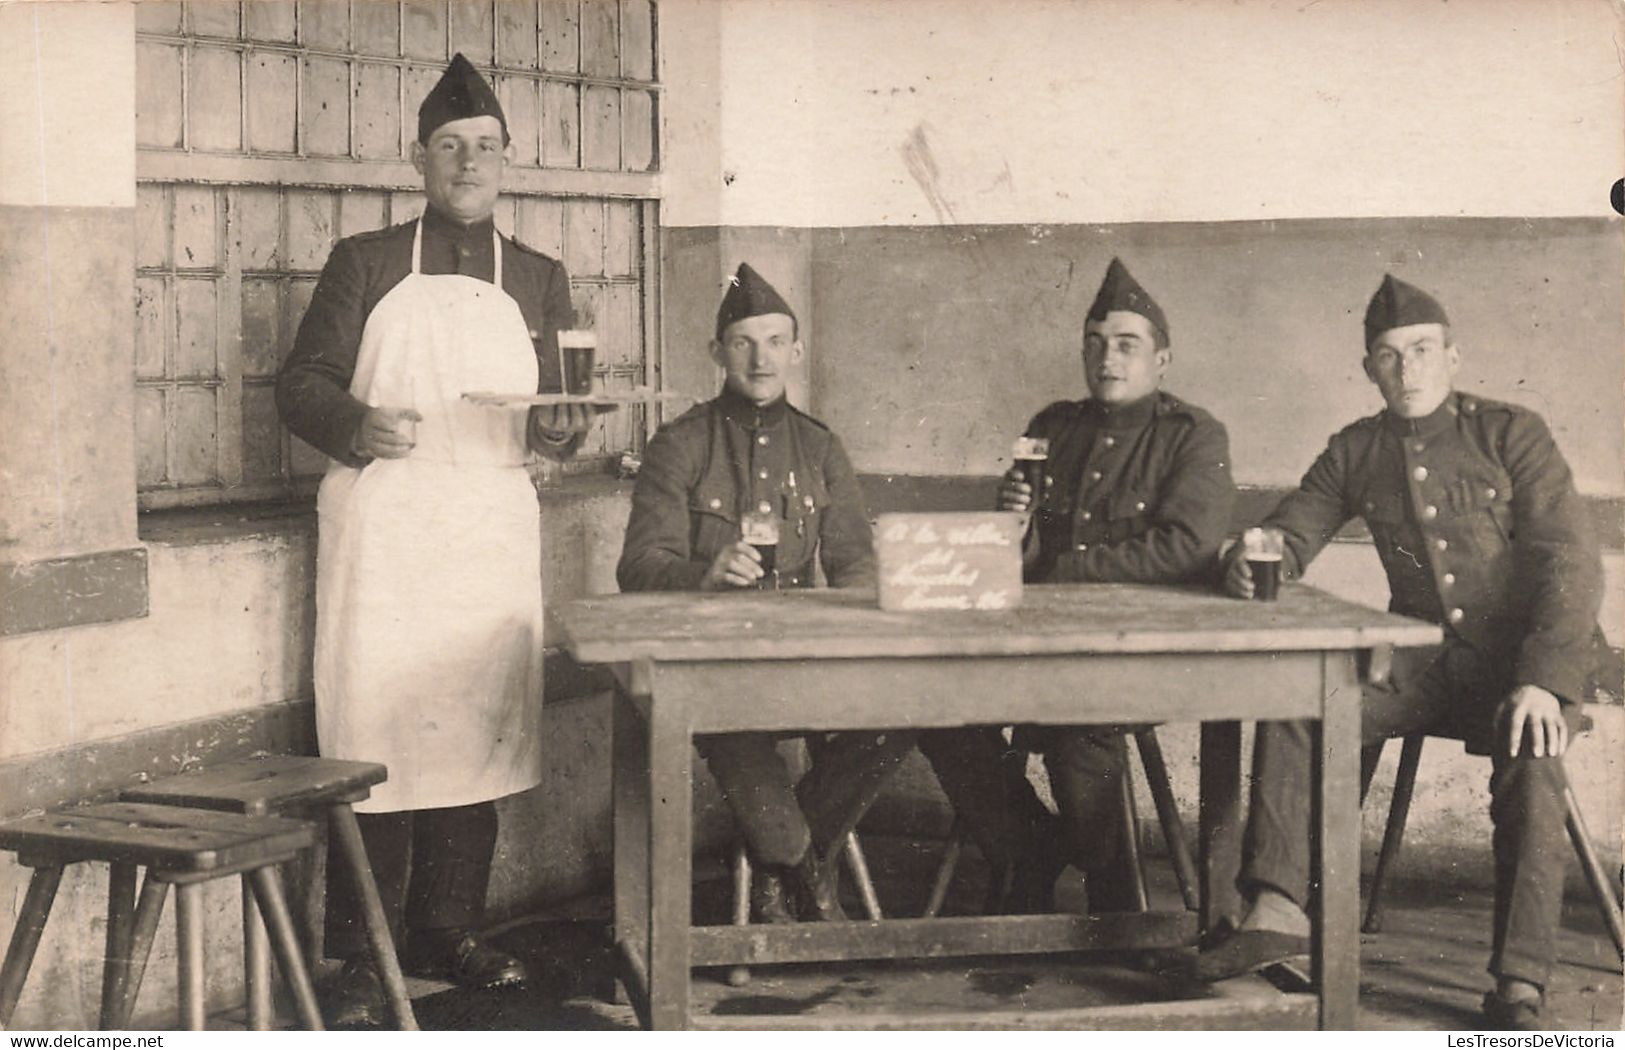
(1425,971)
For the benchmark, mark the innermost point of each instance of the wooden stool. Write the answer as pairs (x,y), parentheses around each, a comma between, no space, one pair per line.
(1410,758)
(305,786)
(1173,831)
(179,847)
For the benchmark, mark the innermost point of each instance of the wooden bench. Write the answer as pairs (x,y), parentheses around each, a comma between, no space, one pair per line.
(180,847)
(297,786)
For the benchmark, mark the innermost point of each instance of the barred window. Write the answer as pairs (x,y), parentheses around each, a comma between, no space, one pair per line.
(269,129)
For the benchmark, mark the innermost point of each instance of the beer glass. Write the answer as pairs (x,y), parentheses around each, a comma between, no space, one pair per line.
(1264,549)
(576,350)
(762,532)
(1031,455)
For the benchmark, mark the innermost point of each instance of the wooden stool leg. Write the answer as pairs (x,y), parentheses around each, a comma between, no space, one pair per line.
(1410,757)
(42,886)
(738,976)
(120,931)
(860,875)
(1173,828)
(1131,835)
(945,871)
(1602,890)
(189,950)
(148,910)
(347,834)
(274,907)
(256,964)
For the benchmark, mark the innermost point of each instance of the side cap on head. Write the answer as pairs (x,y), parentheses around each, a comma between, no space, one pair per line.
(460,93)
(1120,291)
(749,295)
(1397,304)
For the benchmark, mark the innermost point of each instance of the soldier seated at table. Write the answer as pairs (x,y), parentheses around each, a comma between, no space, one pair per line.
(1138,491)
(1476,519)
(748,452)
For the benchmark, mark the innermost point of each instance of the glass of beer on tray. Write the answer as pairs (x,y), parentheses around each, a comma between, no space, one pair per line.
(577,347)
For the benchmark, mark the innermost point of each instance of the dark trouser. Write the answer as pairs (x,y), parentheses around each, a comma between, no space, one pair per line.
(986,783)
(432,867)
(1087,766)
(1450,691)
(779,819)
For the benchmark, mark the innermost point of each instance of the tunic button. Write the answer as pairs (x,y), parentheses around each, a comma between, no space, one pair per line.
(715,504)
(1139,505)
(1083,546)
(1110,441)
(764,507)
(1441,544)
(761,439)
(1420,473)
(762,474)
(1430,512)
(1094,475)
(1449,579)
(1489,493)
(1456,615)
(1417,446)
(1086,516)
(1370,505)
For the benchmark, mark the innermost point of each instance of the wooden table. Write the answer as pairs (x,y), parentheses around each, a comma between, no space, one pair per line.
(825,660)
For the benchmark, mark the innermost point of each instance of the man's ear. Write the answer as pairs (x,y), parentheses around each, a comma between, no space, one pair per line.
(1165,357)
(796,350)
(717,355)
(419,155)
(1370,369)
(1453,358)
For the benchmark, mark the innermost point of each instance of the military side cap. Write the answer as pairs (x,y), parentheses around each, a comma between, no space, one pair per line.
(749,295)
(1398,304)
(1120,291)
(460,93)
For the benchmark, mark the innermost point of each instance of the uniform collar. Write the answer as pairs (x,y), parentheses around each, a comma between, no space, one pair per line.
(1123,417)
(438,225)
(1435,422)
(745,412)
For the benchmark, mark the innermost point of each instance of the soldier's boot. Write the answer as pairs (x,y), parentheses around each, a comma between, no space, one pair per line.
(769,896)
(815,883)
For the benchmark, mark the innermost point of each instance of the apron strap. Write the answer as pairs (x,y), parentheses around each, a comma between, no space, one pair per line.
(417,247)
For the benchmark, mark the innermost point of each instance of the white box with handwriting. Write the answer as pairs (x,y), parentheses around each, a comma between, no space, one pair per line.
(950,561)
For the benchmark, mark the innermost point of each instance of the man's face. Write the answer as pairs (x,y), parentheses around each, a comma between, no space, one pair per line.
(1121,361)
(1414,367)
(757,353)
(461,166)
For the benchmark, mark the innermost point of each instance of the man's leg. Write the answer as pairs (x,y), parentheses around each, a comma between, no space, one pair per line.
(1087,766)
(756,783)
(1526,807)
(985,781)
(451,870)
(848,773)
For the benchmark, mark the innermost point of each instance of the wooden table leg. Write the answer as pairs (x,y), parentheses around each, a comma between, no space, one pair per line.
(148,910)
(1220,821)
(671,833)
(285,941)
(352,854)
(256,964)
(189,951)
(120,928)
(1337,844)
(630,788)
(42,886)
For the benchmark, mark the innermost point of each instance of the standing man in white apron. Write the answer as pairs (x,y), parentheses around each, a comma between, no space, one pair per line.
(428,582)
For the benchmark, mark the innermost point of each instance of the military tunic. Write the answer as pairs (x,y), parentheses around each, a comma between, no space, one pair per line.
(1474,514)
(701,474)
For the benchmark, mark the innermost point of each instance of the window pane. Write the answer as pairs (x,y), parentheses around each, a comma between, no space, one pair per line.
(158,16)
(214,102)
(561,45)
(325,23)
(272,93)
(194,227)
(518,97)
(600,38)
(260,338)
(151,327)
(151,225)
(268,20)
(638,120)
(584,237)
(194,410)
(327,107)
(262,434)
(377,28)
(561,125)
(424,23)
(157,95)
(196,325)
(213,17)
(621,248)
(259,228)
(150,447)
(516,33)
(540,224)
(471,29)
(637,40)
(378,111)
(310,228)
(360,211)
(601,128)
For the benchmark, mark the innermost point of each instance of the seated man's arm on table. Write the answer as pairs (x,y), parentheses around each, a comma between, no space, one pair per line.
(1188,523)
(554,431)
(1308,519)
(313,385)
(1557,574)
(846,546)
(656,554)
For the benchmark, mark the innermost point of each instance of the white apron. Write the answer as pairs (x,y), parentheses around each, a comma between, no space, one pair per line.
(428,579)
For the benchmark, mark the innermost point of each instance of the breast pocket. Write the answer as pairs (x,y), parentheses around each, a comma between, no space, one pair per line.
(1484,500)
(1128,514)
(804,510)
(713,520)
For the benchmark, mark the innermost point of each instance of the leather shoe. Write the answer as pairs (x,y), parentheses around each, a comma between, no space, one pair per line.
(769,900)
(354,998)
(1513,1015)
(461,957)
(1245,951)
(815,884)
